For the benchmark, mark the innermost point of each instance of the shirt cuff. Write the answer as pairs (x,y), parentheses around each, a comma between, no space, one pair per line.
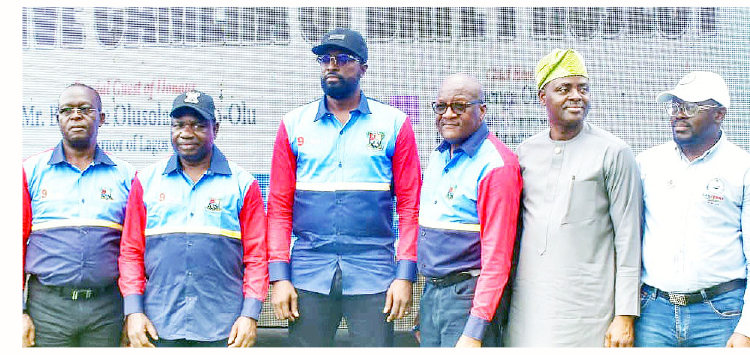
(279,270)
(407,270)
(23,300)
(251,308)
(475,327)
(133,304)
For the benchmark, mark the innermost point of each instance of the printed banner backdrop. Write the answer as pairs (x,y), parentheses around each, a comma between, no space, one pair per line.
(257,64)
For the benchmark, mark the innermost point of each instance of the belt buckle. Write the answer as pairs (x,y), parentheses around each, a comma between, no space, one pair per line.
(85,293)
(677,299)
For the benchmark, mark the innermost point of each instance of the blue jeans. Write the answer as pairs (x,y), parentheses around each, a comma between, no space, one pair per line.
(320,315)
(443,312)
(706,324)
(184,343)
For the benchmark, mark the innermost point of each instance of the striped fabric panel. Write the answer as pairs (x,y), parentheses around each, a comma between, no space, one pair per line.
(150,232)
(344,186)
(449,225)
(75,223)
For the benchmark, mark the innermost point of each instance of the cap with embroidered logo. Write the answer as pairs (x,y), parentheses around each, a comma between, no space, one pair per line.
(698,86)
(196,101)
(345,39)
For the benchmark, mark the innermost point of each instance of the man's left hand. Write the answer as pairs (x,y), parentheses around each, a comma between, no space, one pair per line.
(243,333)
(468,342)
(620,333)
(398,299)
(738,340)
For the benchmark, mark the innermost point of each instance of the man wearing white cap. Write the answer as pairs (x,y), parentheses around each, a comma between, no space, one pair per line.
(577,281)
(696,195)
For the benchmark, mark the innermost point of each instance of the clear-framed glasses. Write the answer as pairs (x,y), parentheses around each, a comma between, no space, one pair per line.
(457,107)
(84,110)
(340,59)
(689,109)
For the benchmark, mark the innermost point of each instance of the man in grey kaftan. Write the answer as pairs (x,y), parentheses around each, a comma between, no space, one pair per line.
(578,268)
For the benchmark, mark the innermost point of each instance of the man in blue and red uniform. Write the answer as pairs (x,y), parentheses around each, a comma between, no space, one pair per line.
(193,257)
(337,163)
(467,221)
(74,199)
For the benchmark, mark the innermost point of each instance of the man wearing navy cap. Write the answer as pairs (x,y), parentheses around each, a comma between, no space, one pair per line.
(193,254)
(337,164)
(696,250)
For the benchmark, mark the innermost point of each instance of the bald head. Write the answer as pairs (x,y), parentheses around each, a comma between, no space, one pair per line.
(465,83)
(461,107)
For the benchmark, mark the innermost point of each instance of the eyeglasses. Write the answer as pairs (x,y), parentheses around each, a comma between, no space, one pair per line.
(457,107)
(339,59)
(84,110)
(690,109)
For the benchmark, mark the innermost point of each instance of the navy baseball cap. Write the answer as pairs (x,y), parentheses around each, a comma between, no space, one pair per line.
(197,101)
(345,39)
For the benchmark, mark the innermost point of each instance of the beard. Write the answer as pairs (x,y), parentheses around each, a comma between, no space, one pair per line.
(340,90)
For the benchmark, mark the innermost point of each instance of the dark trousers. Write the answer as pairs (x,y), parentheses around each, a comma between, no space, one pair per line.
(60,321)
(184,343)
(444,311)
(320,315)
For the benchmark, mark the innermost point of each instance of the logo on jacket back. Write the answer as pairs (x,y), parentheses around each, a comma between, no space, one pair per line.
(106,193)
(214,205)
(375,140)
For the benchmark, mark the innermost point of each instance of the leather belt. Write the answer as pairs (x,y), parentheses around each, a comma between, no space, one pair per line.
(684,299)
(75,293)
(452,278)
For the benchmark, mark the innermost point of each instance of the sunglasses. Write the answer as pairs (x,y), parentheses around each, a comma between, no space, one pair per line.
(338,59)
(457,107)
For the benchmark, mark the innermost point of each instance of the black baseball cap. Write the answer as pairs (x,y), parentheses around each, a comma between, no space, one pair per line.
(195,100)
(345,39)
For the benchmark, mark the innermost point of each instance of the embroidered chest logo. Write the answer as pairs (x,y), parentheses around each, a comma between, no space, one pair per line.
(43,194)
(451,191)
(106,193)
(162,197)
(375,140)
(714,194)
(300,141)
(214,205)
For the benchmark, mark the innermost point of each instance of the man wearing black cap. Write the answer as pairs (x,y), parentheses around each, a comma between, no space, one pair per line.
(193,255)
(337,164)
(696,250)
(74,199)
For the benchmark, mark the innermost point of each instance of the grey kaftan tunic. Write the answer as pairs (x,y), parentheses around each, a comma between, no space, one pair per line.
(579,262)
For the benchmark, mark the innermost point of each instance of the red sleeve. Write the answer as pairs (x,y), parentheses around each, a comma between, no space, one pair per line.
(282,186)
(497,206)
(253,230)
(26,222)
(133,243)
(407,181)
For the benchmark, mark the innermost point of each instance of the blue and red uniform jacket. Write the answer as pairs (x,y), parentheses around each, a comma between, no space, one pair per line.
(332,185)
(72,219)
(468,218)
(193,255)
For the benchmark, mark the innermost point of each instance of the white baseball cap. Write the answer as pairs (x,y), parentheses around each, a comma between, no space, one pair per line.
(698,86)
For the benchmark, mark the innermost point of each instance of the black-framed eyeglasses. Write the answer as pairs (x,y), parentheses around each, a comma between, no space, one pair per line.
(84,110)
(340,59)
(689,109)
(457,107)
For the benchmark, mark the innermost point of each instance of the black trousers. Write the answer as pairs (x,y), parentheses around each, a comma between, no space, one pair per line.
(320,315)
(60,321)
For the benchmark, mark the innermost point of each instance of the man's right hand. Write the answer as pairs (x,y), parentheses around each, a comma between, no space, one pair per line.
(138,326)
(284,300)
(29,332)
